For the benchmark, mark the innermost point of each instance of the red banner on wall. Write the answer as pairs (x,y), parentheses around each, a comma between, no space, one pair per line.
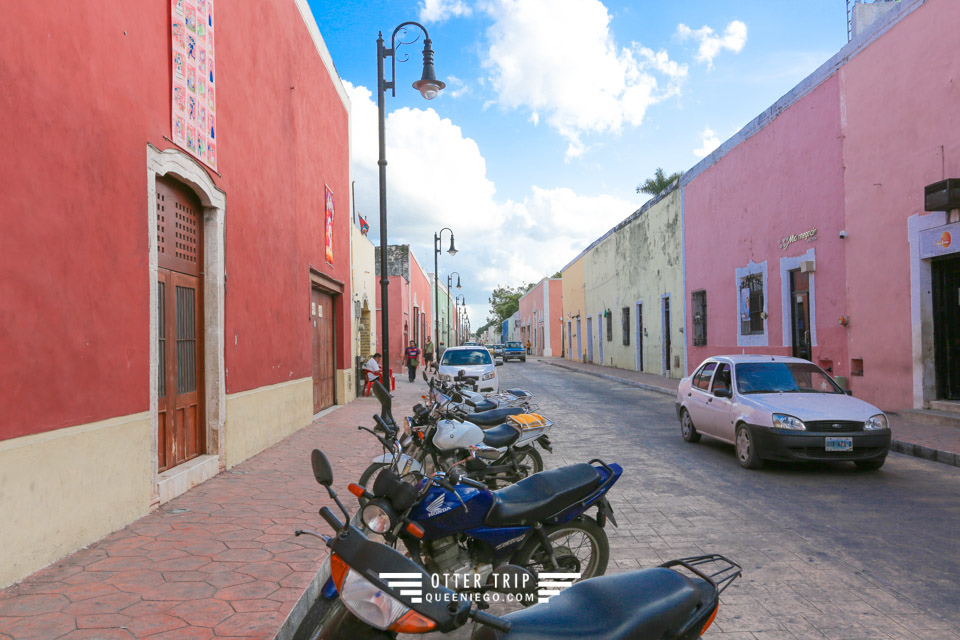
(194,96)
(328,226)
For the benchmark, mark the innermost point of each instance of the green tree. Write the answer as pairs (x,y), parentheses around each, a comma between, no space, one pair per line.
(504,302)
(658,184)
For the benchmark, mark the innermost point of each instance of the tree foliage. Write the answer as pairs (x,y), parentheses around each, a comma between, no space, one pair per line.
(505,301)
(658,184)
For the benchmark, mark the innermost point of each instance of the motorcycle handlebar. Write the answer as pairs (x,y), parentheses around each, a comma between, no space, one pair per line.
(331,519)
(490,620)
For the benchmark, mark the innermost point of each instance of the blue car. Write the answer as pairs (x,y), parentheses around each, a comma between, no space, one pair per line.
(516,351)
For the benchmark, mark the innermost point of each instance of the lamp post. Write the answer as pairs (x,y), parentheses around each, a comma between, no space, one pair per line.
(429,87)
(436,277)
(449,284)
(459,301)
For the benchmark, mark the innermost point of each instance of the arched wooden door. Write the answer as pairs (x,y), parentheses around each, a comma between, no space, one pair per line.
(180,424)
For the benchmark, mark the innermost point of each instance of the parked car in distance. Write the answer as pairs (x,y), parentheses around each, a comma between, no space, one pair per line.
(514,350)
(780,408)
(477,366)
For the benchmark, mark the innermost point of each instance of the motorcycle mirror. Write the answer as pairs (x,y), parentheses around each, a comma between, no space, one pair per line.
(321,468)
(424,375)
(516,581)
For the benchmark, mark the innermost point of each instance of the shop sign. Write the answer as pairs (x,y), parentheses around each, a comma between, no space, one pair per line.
(809,236)
(940,241)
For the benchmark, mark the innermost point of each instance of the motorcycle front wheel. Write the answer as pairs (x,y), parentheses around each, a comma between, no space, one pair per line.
(580,546)
(329,619)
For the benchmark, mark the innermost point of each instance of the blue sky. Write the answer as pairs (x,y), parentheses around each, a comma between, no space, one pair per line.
(554,111)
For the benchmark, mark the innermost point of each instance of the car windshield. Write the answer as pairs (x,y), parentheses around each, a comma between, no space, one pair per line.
(783,377)
(514,345)
(463,357)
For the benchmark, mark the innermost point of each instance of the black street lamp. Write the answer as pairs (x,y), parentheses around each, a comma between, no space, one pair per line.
(459,301)
(429,87)
(436,277)
(449,284)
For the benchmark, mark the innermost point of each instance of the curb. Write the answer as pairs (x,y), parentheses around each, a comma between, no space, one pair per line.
(632,383)
(898,446)
(920,451)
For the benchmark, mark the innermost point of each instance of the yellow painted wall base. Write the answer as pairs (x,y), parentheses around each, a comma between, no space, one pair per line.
(63,490)
(261,417)
(346,386)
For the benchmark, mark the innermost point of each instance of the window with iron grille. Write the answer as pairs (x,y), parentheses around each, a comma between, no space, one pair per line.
(751,304)
(609,327)
(699,318)
(625,324)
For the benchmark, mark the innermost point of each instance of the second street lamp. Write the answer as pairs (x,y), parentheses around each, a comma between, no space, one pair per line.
(459,301)
(449,281)
(436,279)
(429,87)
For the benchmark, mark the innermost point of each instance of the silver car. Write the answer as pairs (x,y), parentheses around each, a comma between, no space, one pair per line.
(780,408)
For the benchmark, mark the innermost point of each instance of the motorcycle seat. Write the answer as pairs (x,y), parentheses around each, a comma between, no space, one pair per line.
(501,436)
(493,417)
(520,393)
(482,405)
(542,495)
(652,603)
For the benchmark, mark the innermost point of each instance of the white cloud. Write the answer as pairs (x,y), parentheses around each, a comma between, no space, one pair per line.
(733,39)
(709,141)
(558,59)
(455,87)
(437,178)
(440,10)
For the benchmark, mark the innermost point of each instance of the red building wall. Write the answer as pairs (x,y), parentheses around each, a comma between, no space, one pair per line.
(86,86)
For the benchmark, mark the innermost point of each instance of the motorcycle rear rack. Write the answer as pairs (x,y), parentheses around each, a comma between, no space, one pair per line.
(720,576)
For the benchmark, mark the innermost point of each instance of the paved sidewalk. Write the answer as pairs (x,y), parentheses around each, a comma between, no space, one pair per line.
(939,443)
(220,561)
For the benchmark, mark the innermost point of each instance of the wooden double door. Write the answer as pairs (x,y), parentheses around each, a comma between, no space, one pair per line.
(324,349)
(180,381)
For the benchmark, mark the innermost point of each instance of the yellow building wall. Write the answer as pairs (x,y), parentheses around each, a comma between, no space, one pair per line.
(574,304)
(261,417)
(639,261)
(65,489)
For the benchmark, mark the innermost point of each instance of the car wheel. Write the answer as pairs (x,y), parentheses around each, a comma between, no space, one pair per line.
(747,454)
(687,430)
(869,465)
(523,359)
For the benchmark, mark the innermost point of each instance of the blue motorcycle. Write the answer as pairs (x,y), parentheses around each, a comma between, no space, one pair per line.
(459,529)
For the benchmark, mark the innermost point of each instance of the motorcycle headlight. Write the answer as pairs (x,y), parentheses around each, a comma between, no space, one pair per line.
(878,421)
(445,377)
(783,421)
(376,518)
(369,603)
(488,376)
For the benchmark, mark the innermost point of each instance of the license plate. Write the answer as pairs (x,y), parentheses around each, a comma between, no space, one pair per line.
(839,444)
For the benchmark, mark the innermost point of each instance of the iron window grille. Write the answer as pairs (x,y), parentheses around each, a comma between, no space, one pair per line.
(625,324)
(751,305)
(699,318)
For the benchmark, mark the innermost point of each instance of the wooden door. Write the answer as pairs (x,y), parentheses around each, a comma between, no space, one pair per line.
(324,350)
(180,424)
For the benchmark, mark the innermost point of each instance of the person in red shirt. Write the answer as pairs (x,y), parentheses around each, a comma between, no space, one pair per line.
(412,355)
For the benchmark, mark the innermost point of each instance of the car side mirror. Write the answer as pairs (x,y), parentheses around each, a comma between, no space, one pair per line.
(722,393)
(849,392)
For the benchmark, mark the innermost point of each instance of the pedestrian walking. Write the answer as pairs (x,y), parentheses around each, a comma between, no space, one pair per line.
(412,354)
(528,348)
(428,353)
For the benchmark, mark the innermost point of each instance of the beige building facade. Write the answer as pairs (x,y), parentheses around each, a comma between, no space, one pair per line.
(574,308)
(633,307)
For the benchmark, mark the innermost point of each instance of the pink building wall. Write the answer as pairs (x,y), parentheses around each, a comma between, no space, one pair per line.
(540,308)
(786,179)
(851,154)
(900,135)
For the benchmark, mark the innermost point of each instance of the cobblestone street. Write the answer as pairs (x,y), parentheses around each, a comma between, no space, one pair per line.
(827,551)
